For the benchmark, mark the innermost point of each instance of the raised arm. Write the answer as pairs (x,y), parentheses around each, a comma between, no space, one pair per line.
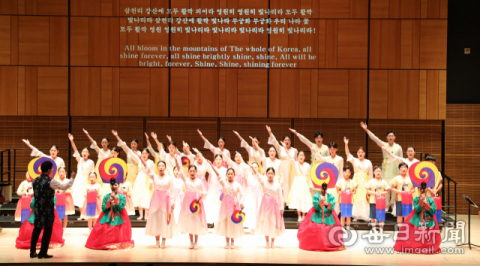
(35,151)
(94,144)
(273,141)
(180,172)
(302,138)
(347,150)
(75,150)
(55,184)
(371,135)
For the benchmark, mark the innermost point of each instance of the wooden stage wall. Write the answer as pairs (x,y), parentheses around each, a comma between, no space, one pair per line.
(378,60)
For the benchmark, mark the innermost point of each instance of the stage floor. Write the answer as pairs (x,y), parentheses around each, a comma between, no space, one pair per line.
(250,249)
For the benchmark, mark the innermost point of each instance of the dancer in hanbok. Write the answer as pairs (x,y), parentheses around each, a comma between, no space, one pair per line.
(363,173)
(192,215)
(255,153)
(228,224)
(319,147)
(272,161)
(96,189)
(336,160)
(270,221)
(103,153)
(376,187)
(113,230)
(420,233)
(53,154)
(214,195)
(346,186)
(84,167)
(161,220)
(69,206)
(126,189)
(25,191)
(399,184)
(253,197)
(216,150)
(315,231)
(286,167)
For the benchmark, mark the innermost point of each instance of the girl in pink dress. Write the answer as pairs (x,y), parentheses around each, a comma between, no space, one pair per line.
(160,220)
(270,215)
(192,215)
(25,191)
(228,223)
(69,207)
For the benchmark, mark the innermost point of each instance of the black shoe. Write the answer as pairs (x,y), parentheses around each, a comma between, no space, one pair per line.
(34,255)
(46,256)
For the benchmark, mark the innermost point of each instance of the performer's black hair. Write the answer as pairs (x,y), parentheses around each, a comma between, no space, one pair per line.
(218,155)
(270,169)
(47,165)
(136,140)
(231,169)
(402,164)
(391,131)
(318,133)
(333,144)
(113,181)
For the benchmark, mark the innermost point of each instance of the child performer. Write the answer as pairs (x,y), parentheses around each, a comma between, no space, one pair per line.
(160,221)
(240,167)
(253,198)
(319,147)
(69,206)
(410,160)
(272,161)
(103,154)
(345,184)
(398,185)
(24,238)
(179,194)
(113,230)
(231,203)
(270,215)
(53,154)
(131,164)
(168,158)
(212,200)
(93,186)
(389,169)
(363,173)
(84,167)
(126,190)
(141,187)
(193,221)
(25,191)
(376,188)
(335,160)
(423,234)
(221,146)
(115,152)
(255,153)
(299,197)
(285,165)
(313,233)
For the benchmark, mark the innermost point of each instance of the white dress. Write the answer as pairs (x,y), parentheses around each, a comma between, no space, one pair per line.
(141,190)
(254,155)
(192,223)
(363,174)
(241,169)
(299,197)
(285,165)
(323,150)
(212,200)
(179,194)
(269,221)
(202,170)
(252,200)
(58,161)
(84,168)
(157,222)
(232,198)
(338,162)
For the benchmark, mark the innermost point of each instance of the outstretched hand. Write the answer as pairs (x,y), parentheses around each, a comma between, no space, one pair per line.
(199,132)
(154,135)
(86,132)
(269,130)
(70,136)
(26,141)
(294,131)
(364,126)
(115,133)
(345,140)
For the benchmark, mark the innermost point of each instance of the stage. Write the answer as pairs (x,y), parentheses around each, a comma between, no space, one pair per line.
(249,250)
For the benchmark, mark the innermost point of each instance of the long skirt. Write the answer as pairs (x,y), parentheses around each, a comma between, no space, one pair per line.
(141,192)
(194,223)
(269,220)
(179,195)
(253,199)
(111,237)
(78,187)
(98,209)
(18,210)
(225,225)
(213,202)
(320,237)
(410,238)
(25,235)
(299,197)
(361,208)
(160,220)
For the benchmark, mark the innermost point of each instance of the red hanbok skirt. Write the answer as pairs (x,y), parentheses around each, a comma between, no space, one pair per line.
(25,235)
(431,241)
(315,237)
(111,237)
